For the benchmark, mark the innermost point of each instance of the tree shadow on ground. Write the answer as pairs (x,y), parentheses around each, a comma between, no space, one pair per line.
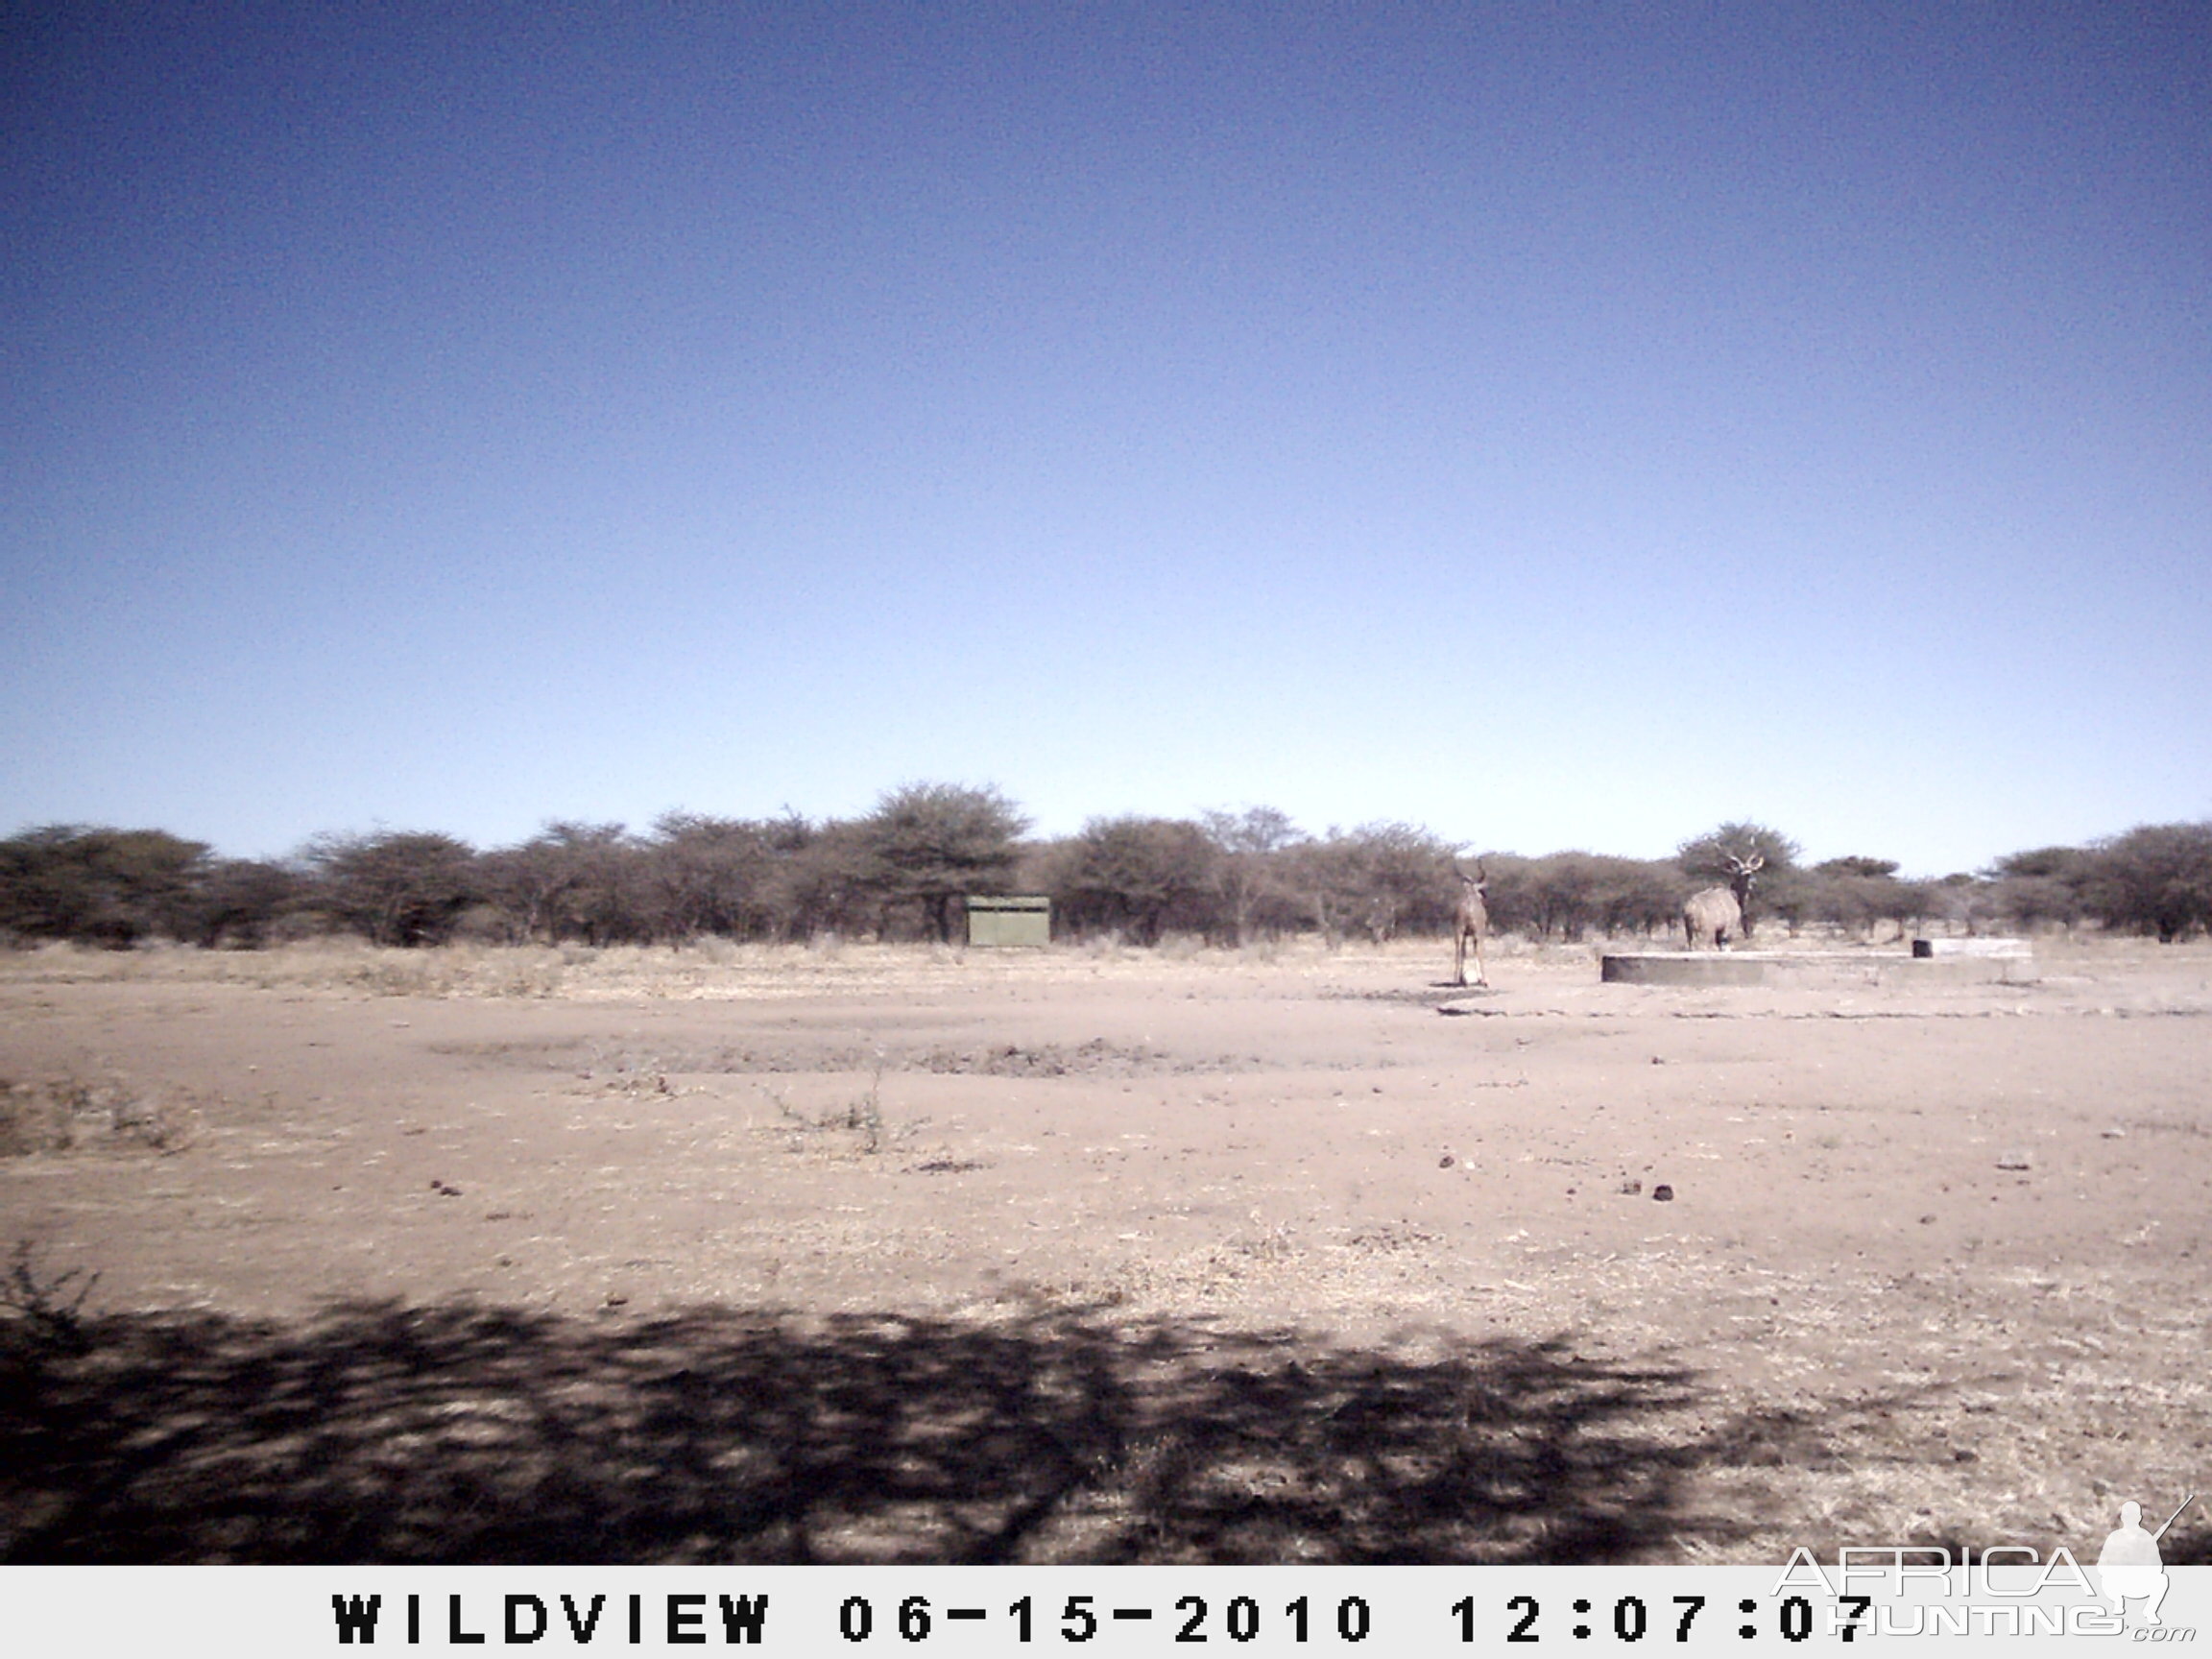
(470,1433)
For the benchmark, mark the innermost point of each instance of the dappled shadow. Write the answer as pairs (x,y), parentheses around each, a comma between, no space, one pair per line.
(468,1434)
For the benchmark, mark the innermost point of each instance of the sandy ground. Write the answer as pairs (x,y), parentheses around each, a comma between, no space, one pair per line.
(889,1253)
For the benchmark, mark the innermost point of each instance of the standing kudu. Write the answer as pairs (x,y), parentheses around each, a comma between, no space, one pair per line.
(1717,912)
(1471,920)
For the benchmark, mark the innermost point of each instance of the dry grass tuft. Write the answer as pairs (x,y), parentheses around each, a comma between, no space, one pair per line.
(861,1116)
(72,1114)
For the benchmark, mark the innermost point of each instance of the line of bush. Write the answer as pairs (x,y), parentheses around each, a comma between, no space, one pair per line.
(901,871)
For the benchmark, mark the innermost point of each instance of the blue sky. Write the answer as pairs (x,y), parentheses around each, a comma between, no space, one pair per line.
(1559,426)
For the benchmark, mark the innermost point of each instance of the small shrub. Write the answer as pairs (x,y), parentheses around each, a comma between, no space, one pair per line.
(73,1113)
(30,1121)
(862,1116)
(41,1313)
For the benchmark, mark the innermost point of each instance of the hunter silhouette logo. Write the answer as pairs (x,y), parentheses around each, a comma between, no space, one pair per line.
(2129,1566)
(1998,1589)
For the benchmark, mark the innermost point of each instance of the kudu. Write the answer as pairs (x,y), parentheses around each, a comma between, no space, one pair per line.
(1719,911)
(1472,921)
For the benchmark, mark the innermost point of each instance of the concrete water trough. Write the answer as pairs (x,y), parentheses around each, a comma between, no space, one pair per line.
(1935,950)
(2015,967)
(1687,968)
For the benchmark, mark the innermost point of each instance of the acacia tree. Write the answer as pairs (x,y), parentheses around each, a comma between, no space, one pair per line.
(1562,894)
(397,887)
(717,874)
(608,900)
(1406,880)
(1963,899)
(1637,894)
(2045,886)
(240,901)
(1378,879)
(1144,876)
(1854,893)
(828,880)
(2156,878)
(98,885)
(1331,886)
(1573,892)
(931,843)
(572,880)
(524,886)
(1250,868)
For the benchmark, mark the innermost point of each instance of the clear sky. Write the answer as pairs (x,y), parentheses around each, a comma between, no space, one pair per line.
(1556,424)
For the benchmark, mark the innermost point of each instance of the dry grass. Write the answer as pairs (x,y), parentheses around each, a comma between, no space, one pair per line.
(1129,1148)
(713,969)
(858,1121)
(74,1114)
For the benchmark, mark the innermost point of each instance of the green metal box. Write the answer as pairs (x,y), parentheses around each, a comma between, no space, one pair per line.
(997,921)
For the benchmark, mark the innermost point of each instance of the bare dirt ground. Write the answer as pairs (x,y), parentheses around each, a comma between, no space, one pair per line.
(883,1254)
